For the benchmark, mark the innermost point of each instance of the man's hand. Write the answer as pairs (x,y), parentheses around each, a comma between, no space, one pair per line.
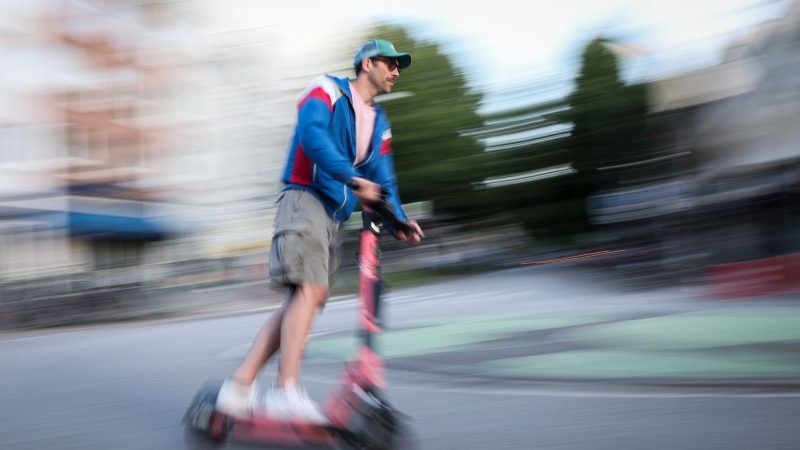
(367,191)
(415,236)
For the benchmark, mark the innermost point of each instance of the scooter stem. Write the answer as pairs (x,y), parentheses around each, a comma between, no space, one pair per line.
(369,279)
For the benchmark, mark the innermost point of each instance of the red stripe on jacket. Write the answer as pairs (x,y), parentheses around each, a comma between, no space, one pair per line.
(301,168)
(386,146)
(318,93)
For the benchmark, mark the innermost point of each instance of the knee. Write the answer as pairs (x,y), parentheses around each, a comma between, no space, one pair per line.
(315,294)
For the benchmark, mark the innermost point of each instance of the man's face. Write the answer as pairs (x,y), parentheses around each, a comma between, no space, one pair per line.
(384,73)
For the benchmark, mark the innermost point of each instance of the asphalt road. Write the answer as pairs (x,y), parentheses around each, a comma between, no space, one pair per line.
(126,386)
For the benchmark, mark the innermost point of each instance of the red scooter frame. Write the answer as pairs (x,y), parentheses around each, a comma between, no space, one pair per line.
(357,411)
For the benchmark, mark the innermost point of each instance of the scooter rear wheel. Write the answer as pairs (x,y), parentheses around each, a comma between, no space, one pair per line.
(205,427)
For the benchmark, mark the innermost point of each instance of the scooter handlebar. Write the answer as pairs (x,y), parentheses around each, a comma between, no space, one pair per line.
(384,210)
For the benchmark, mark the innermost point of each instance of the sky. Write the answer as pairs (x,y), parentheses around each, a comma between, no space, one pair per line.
(506,45)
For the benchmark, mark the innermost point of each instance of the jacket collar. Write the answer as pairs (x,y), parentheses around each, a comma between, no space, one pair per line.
(344,86)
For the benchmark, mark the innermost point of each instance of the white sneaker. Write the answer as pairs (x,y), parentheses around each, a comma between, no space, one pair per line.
(292,402)
(236,399)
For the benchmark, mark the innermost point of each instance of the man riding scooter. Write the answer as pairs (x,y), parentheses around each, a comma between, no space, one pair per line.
(342,139)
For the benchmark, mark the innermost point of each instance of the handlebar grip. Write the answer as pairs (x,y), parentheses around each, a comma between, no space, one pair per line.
(384,210)
(390,218)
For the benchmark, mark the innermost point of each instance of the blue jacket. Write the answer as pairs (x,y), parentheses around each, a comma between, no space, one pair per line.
(323,149)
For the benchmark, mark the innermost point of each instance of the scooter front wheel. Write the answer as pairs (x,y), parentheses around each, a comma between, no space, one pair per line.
(375,425)
(401,438)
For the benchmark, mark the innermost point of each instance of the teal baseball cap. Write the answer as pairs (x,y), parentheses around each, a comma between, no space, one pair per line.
(379,47)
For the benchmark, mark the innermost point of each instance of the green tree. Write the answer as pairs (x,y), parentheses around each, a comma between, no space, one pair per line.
(431,109)
(609,120)
(601,124)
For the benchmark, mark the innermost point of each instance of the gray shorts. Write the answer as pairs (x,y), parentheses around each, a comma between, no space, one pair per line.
(305,248)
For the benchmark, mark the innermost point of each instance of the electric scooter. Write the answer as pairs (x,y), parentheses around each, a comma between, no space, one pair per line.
(359,415)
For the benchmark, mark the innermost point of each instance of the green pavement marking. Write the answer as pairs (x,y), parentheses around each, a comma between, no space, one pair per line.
(609,364)
(695,330)
(434,338)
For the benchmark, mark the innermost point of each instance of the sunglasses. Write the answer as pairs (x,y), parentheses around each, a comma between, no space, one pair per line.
(391,63)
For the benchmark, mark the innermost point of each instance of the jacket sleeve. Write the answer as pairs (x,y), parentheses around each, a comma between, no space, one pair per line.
(313,120)
(380,169)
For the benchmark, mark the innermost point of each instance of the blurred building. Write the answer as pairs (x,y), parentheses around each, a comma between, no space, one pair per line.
(725,198)
(142,142)
(99,152)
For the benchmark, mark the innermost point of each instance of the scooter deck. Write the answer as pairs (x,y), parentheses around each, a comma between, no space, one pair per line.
(265,429)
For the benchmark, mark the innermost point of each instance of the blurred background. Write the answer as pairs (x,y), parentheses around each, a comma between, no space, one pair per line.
(653,143)
(609,191)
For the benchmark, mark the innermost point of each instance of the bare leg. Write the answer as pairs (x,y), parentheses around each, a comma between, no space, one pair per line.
(265,345)
(297,322)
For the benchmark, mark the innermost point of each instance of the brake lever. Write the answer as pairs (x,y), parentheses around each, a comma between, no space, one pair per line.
(384,211)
